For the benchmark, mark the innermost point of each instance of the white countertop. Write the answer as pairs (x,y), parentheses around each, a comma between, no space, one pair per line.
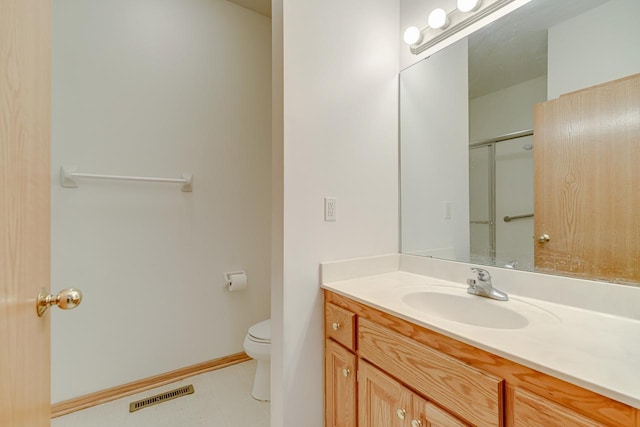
(596,351)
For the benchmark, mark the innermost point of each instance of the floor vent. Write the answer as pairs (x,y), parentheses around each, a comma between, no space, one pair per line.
(159,398)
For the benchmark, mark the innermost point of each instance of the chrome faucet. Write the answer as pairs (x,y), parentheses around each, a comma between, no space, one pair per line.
(482,286)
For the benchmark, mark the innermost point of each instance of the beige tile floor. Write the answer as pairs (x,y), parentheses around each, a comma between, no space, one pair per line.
(222,399)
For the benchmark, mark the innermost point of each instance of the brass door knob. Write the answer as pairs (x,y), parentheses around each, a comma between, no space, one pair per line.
(335,326)
(346,372)
(416,423)
(543,238)
(401,413)
(66,299)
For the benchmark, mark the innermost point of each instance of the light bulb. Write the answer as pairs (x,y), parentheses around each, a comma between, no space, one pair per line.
(468,5)
(412,35)
(438,19)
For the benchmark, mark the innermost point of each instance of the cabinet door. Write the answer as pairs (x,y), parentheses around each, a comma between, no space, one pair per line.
(426,414)
(340,386)
(437,417)
(383,402)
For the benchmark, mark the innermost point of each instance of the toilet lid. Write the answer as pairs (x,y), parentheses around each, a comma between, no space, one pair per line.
(261,332)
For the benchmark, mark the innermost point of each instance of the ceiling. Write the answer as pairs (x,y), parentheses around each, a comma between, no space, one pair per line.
(513,49)
(263,7)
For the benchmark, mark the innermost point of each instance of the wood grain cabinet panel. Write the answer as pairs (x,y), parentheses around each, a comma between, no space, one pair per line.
(383,401)
(437,417)
(530,410)
(340,325)
(470,393)
(340,386)
(586,182)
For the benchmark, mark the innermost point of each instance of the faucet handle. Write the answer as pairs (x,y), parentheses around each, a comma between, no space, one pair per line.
(482,274)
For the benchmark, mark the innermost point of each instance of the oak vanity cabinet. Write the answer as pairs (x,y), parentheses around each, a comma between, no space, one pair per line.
(383,371)
(340,368)
(357,393)
(384,402)
(467,392)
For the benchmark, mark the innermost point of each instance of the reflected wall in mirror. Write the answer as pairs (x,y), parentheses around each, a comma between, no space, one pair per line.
(469,156)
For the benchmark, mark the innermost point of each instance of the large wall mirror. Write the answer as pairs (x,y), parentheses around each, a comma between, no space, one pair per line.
(520,145)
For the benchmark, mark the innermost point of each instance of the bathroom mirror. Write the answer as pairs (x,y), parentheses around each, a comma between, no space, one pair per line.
(468,153)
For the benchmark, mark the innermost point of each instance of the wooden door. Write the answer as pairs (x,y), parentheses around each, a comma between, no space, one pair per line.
(340,386)
(587,182)
(25,74)
(383,402)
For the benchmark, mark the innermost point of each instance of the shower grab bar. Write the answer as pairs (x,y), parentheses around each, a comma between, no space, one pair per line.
(68,178)
(511,218)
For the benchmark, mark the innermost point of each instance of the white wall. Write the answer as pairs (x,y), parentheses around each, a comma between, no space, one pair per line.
(595,47)
(340,139)
(505,111)
(157,88)
(434,99)
(277,217)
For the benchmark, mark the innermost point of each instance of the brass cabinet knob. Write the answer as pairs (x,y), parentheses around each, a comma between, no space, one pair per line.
(66,299)
(401,413)
(416,423)
(335,326)
(543,238)
(346,372)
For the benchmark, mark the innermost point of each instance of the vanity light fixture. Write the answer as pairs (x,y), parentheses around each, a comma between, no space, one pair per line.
(468,5)
(412,35)
(459,22)
(438,19)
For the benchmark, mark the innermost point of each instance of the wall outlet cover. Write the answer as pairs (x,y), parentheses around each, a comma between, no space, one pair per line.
(329,208)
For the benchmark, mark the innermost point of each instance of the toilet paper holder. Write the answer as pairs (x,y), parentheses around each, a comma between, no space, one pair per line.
(236,280)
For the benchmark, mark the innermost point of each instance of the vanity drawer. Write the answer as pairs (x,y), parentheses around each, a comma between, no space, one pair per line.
(530,410)
(340,325)
(468,392)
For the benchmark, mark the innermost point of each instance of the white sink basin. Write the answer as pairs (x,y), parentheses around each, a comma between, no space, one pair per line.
(458,306)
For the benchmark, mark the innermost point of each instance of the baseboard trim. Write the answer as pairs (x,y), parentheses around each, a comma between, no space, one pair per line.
(104,396)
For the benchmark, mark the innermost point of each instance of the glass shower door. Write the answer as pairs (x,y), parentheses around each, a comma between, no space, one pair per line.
(481,203)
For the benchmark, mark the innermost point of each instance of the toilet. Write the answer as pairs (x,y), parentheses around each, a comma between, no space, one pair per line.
(257,345)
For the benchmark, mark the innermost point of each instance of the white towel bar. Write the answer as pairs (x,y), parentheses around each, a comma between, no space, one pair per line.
(68,178)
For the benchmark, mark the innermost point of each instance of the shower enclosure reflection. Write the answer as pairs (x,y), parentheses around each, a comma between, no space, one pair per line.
(501,200)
